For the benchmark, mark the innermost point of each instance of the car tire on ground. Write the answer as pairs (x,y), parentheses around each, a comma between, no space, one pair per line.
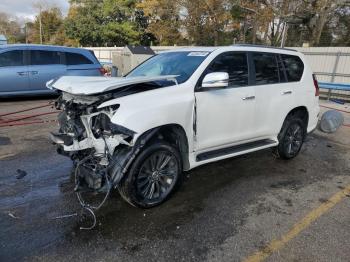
(291,138)
(153,176)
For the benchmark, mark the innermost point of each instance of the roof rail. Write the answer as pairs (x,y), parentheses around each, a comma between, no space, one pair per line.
(265,46)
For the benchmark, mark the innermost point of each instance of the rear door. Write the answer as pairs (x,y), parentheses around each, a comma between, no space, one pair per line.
(81,65)
(13,71)
(274,95)
(44,66)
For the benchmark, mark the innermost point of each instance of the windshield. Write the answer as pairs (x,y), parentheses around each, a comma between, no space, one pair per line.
(182,64)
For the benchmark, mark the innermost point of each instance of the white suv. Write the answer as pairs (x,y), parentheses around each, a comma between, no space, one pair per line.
(181,109)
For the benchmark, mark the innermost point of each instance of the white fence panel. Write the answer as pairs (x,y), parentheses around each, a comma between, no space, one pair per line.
(330,64)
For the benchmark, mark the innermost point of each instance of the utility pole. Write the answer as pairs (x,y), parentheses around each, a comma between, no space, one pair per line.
(25,32)
(40,26)
(39,5)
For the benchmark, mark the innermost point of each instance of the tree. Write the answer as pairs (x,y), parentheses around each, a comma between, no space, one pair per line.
(10,27)
(104,23)
(163,20)
(51,23)
(315,16)
(207,22)
(341,27)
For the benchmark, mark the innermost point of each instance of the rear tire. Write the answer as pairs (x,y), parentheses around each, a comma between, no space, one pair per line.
(291,138)
(153,176)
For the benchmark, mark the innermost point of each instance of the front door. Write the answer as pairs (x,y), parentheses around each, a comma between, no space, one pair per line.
(227,115)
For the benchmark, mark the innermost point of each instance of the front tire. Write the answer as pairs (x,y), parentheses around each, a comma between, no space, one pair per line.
(153,176)
(291,138)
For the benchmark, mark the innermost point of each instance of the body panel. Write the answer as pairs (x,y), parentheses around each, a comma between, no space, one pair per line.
(14,78)
(144,111)
(224,116)
(78,85)
(40,74)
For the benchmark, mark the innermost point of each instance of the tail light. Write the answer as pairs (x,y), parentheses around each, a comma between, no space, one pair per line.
(103,71)
(317,89)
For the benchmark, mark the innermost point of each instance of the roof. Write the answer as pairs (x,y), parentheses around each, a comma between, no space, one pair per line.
(266,46)
(38,46)
(195,48)
(240,47)
(3,38)
(140,50)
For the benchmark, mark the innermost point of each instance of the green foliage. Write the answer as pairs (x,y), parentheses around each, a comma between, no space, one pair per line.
(105,23)
(186,22)
(11,29)
(51,23)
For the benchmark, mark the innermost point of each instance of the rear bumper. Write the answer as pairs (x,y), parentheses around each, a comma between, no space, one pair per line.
(313,119)
(312,130)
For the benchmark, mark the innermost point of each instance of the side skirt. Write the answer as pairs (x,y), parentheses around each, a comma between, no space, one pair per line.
(251,146)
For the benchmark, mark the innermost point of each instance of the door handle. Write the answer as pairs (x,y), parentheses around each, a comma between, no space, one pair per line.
(22,73)
(248,98)
(34,72)
(287,93)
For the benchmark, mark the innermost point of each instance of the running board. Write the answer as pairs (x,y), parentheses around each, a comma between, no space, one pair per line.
(234,149)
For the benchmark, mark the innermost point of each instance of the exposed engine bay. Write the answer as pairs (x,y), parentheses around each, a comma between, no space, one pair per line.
(87,135)
(84,131)
(87,132)
(100,149)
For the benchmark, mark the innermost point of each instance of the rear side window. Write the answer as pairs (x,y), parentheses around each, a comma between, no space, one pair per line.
(40,57)
(233,63)
(266,68)
(77,59)
(294,67)
(11,58)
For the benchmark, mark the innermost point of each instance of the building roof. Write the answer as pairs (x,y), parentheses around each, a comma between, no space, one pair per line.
(140,50)
(3,38)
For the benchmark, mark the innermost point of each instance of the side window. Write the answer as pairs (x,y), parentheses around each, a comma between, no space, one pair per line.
(40,57)
(77,59)
(11,58)
(266,68)
(294,67)
(233,63)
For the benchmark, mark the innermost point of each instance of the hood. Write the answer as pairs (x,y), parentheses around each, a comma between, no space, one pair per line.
(86,85)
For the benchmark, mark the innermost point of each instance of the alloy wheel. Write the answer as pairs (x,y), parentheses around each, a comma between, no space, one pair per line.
(157,176)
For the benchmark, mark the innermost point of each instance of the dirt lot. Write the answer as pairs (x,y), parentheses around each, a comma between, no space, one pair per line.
(252,207)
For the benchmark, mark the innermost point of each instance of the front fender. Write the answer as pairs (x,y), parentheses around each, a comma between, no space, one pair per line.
(144,111)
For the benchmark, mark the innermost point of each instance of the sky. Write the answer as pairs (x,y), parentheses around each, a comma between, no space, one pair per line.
(24,9)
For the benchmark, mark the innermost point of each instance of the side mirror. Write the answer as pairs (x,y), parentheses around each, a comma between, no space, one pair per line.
(216,80)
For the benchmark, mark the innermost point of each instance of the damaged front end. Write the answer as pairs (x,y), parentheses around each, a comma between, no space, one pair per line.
(87,135)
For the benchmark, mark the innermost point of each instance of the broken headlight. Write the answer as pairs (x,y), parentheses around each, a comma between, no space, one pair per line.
(101,125)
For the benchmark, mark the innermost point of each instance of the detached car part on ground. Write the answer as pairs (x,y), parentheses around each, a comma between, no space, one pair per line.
(179,110)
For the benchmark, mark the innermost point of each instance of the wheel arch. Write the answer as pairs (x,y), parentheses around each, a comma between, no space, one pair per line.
(176,136)
(302,113)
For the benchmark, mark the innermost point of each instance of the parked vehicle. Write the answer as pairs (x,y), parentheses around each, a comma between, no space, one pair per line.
(181,109)
(25,69)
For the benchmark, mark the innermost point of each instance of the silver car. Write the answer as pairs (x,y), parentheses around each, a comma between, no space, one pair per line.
(25,69)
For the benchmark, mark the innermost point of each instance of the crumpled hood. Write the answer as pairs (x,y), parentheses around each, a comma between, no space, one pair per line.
(87,85)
